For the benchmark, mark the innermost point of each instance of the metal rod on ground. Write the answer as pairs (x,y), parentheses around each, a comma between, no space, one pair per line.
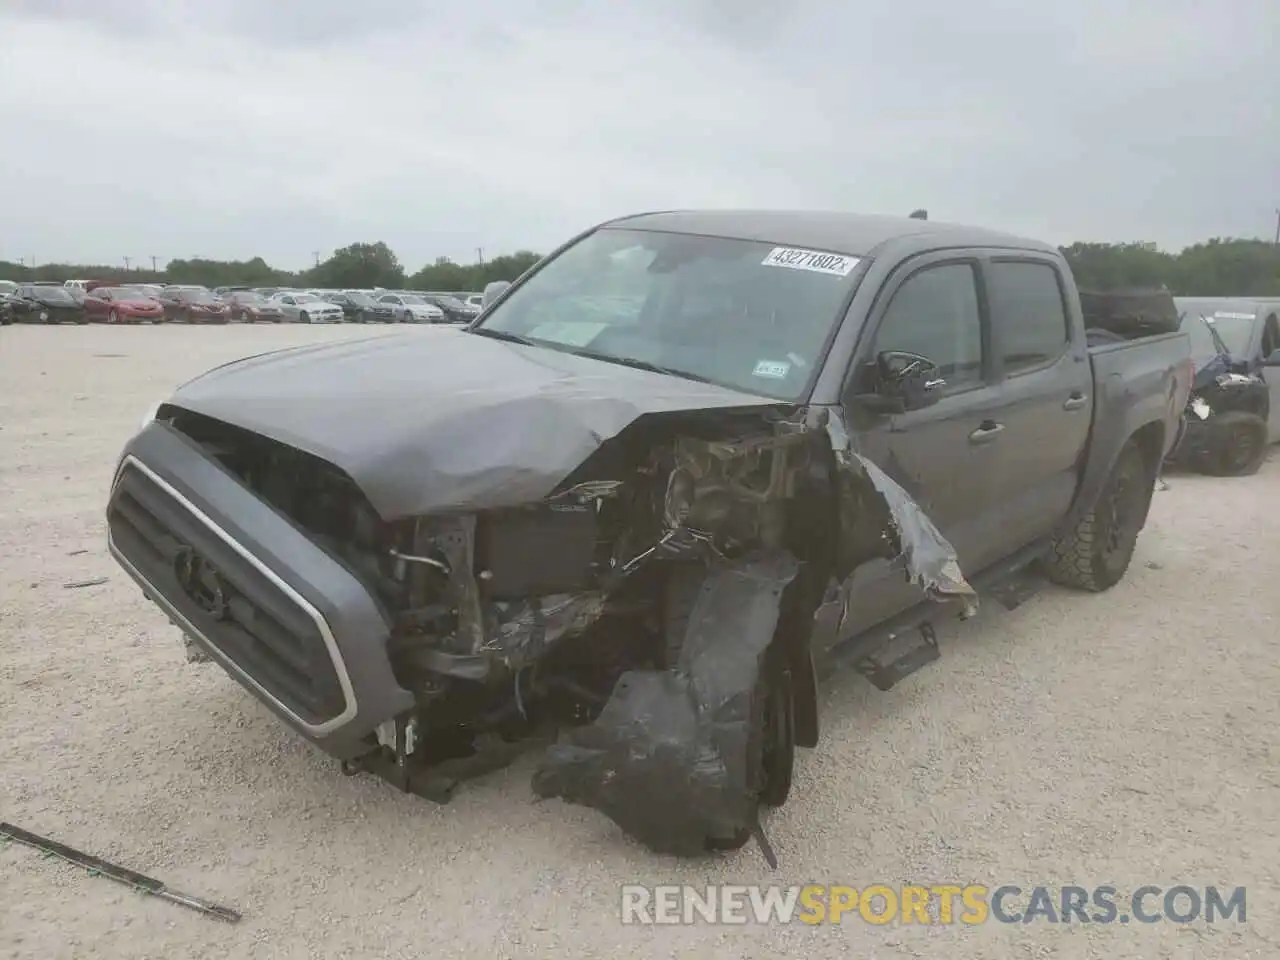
(97,866)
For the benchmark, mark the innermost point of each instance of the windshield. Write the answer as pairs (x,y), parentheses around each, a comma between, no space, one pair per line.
(743,314)
(7,286)
(199,296)
(53,293)
(453,303)
(125,293)
(359,299)
(409,298)
(243,297)
(1235,329)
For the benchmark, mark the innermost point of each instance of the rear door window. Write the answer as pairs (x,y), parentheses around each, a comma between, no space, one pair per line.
(1028,313)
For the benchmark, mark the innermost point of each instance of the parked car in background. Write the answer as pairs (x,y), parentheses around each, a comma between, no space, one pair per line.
(1234,411)
(474,299)
(410,308)
(45,303)
(122,305)
(359,307)
(307,308)
(223,291)
(194,305)
(250,306)
(455,310)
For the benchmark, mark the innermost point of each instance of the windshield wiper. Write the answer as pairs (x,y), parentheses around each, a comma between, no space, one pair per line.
(640,365)
(504,335)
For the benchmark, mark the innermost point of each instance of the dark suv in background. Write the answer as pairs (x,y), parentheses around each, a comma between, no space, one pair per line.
(358,307)
(455,310)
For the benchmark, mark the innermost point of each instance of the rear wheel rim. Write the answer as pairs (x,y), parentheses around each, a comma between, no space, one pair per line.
(1121,514)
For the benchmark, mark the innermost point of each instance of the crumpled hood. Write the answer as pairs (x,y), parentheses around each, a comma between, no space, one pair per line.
(439,418)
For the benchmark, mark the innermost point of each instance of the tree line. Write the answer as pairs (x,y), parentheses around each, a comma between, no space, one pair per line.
(358,266)
(1217,267)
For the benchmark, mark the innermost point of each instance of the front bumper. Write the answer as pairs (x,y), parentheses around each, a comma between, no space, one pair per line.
(278,613)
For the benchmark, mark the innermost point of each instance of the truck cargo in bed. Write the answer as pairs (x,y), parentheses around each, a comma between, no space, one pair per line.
(680,465)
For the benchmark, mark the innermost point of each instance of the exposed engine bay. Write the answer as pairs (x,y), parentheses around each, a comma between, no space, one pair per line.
(639,602)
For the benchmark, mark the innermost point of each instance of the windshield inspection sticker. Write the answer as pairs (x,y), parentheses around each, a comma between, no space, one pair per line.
(835,264)
(771,369)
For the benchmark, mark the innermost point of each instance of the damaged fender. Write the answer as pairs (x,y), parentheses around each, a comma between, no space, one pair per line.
(671,759)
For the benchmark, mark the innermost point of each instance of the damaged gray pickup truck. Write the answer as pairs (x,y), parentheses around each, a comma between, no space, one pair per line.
(680,469)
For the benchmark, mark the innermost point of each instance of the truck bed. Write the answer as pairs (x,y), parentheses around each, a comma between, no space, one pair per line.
(1136,381)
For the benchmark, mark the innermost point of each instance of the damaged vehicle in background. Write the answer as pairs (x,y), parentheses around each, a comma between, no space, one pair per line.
(682,467)
(1233,415)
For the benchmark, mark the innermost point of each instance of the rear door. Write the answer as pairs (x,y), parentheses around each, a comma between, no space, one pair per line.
(1048,383)
(948,455)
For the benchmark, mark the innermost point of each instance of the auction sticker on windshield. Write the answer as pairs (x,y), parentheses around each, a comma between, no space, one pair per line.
(772,369)
(833,263)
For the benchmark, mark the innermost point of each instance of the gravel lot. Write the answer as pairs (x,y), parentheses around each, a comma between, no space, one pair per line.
(1128,738)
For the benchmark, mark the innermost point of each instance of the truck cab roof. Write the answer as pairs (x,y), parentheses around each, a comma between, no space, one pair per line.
(856,234)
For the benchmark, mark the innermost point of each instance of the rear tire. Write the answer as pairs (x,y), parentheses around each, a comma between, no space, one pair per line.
(1238,445)
(304,317)
(1096,553)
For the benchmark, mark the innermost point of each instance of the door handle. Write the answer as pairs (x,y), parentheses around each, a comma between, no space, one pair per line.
(986,432)
(1075,402)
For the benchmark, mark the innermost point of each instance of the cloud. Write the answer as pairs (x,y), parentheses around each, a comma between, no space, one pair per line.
(233,128)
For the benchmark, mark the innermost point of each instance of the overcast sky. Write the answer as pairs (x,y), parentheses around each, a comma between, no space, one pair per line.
(234,128)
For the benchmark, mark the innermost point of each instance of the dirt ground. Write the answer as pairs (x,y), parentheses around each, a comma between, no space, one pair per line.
(1124,739)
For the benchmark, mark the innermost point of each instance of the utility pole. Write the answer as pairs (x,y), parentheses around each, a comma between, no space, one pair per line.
(316,255)
(126,263)
(1278,226)
(480,255)
(153,263)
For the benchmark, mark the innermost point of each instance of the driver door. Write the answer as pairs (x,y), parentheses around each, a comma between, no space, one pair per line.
(947,456)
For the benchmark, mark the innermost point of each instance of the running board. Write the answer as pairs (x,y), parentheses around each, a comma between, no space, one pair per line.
(891,651)
(902,656)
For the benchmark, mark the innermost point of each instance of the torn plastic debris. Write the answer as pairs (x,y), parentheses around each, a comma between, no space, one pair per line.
(671,758)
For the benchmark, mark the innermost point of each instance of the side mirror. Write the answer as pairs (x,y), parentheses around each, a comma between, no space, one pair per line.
(904,381)
(1273,360)
(492,291)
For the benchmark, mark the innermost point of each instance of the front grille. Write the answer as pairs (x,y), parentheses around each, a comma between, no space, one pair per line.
(232,601)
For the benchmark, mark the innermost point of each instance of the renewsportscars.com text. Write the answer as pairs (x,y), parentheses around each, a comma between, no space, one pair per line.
(942,904)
